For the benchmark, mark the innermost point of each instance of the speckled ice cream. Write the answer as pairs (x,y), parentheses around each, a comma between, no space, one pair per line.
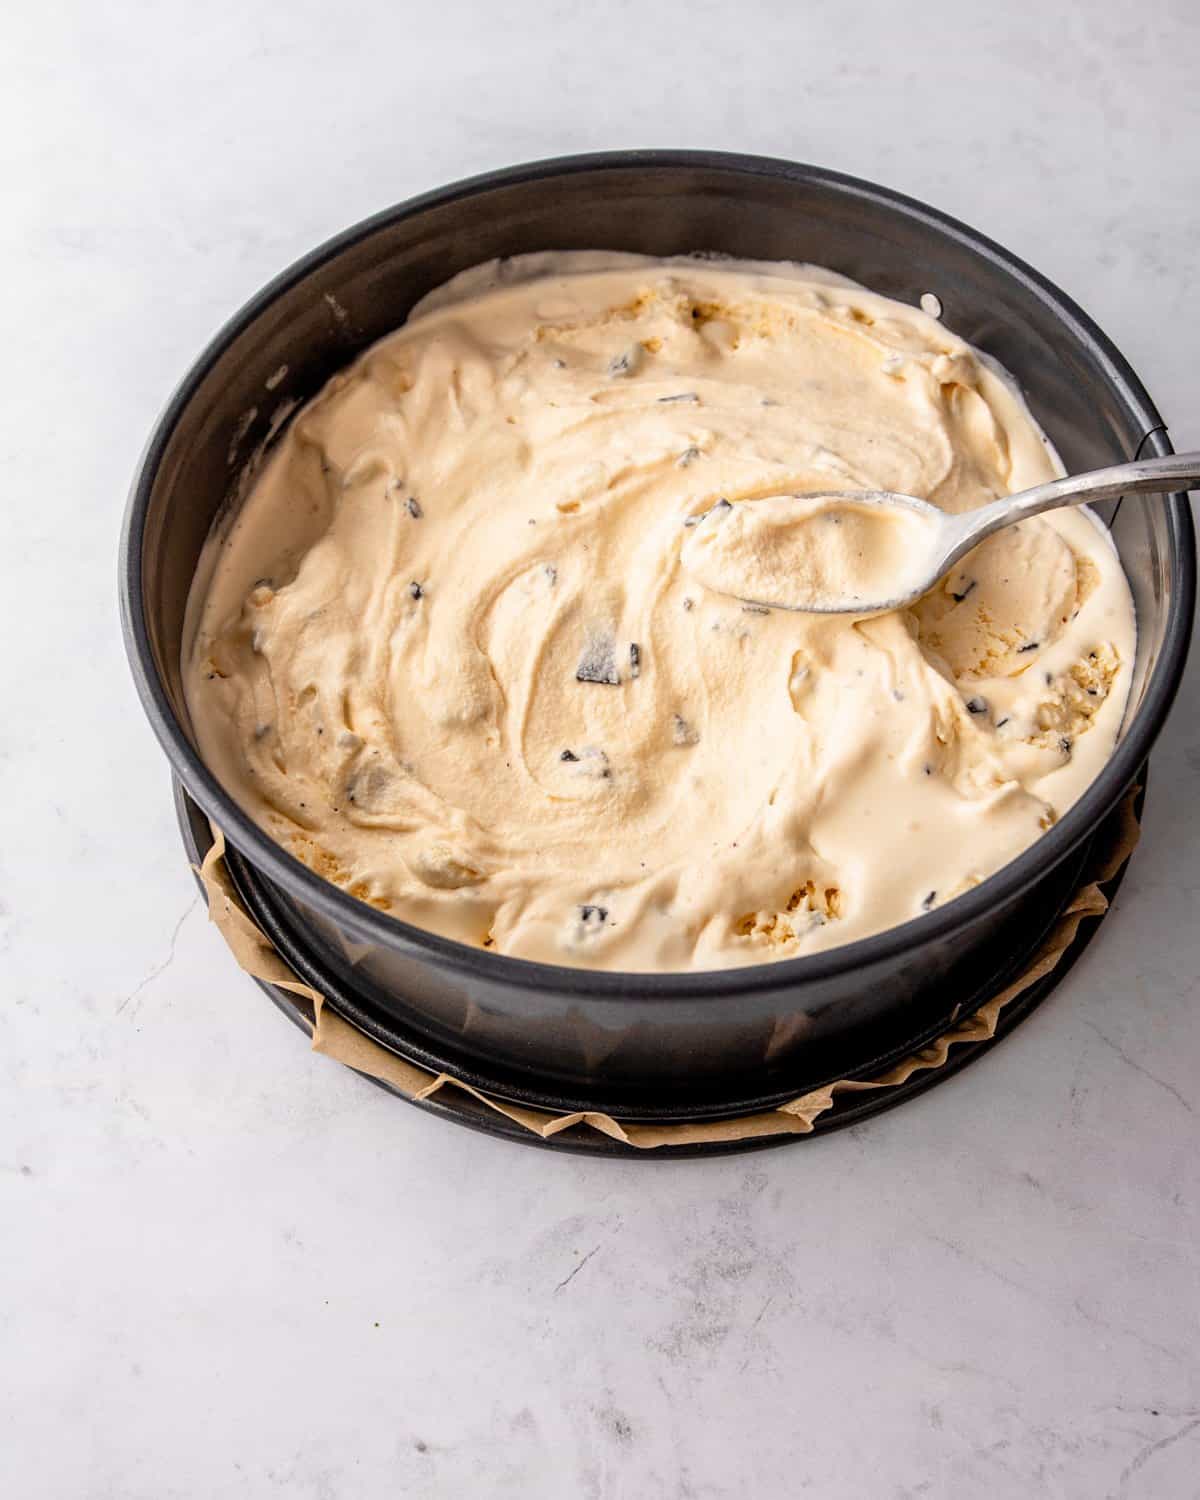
(447,653)
(819,552)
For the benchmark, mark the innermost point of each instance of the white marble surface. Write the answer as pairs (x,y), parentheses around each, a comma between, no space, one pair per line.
(229,1268)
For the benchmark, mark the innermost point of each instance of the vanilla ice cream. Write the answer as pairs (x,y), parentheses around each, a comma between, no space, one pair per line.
(456,652)
(820,552)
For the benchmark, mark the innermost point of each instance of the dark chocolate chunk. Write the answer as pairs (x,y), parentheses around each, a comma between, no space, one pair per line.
(1064,744)
(597,914)
(598,662)
(414,507)
(927,904)
(682,732)
(1028,646)
(721,505)
(928,770)
(568,755)
(635,659)
(977,705)
(627,363)
(593,762)
(416,590)
(958,598)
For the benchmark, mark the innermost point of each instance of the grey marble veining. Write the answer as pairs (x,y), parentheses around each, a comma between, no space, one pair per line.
(230,1268)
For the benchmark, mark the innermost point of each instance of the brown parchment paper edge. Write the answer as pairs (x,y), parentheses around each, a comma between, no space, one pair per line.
(337,1039)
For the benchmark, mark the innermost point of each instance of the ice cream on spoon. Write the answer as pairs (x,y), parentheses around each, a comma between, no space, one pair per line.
(865,552)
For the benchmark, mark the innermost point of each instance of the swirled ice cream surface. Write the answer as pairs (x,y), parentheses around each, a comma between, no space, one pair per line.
(447,654)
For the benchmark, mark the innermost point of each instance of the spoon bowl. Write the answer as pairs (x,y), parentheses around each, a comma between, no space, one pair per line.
(867,552)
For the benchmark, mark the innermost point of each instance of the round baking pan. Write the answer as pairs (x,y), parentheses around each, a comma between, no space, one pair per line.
(690,1037)
(863,1053)
(462,1108)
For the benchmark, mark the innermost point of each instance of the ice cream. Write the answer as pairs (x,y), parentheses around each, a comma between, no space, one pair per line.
(448,654)
(819,552)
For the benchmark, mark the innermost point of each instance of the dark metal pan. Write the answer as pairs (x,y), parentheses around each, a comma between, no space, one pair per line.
(680,1037)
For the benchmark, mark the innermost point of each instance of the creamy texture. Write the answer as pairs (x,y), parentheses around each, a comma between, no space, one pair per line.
(447,654)
(824,552)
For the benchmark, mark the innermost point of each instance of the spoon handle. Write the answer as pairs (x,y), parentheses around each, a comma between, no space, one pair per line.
(1178,471)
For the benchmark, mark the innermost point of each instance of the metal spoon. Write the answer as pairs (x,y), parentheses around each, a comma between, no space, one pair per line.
(943,539)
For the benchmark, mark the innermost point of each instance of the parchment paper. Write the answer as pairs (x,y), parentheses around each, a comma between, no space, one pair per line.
(339,1040)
